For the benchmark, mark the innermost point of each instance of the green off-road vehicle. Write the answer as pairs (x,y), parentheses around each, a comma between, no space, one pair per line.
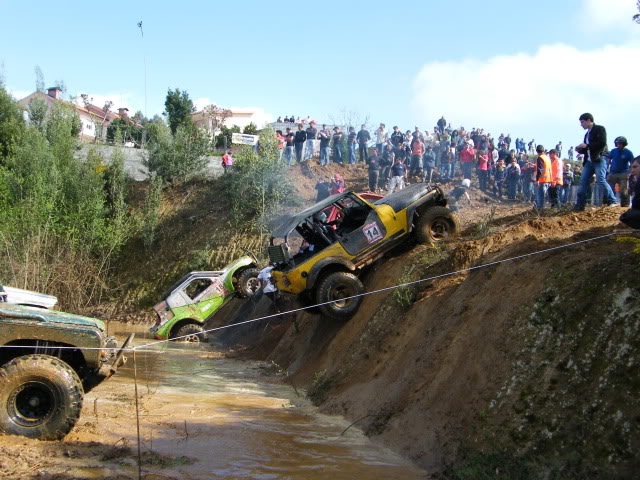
(199,295)
(42,388)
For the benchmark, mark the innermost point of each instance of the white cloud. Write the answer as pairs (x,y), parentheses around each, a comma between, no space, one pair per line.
(18,94)
(609,15)
(533,94)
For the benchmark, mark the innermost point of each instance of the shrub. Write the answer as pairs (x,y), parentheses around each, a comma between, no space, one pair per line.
(176,159)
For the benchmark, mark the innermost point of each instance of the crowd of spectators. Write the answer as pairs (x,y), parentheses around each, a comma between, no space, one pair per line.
(513,170)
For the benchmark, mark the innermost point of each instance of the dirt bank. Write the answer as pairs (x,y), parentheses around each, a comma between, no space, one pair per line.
(526,363)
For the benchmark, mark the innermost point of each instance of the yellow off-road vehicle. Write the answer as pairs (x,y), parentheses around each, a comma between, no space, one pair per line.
(320,251)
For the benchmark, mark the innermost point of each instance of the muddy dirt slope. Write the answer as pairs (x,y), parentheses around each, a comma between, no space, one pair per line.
(522,369)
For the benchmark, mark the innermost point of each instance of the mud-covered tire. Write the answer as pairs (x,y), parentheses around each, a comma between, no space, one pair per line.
(436,225)
(248,283)
(190,333)
(40,397)
(336,286)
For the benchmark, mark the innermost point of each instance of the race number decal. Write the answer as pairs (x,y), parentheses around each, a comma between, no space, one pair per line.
(372,232)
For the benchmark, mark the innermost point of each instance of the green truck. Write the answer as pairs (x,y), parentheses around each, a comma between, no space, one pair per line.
(199,295)
(48,361)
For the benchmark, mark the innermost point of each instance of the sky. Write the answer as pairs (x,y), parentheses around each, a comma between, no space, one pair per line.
(524,68)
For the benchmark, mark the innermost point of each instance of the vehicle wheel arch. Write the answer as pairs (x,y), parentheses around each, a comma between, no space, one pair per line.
(181,323)
(71,356)
(327,266)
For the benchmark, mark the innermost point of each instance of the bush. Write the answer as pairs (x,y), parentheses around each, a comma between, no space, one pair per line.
(258,184)
(176,159)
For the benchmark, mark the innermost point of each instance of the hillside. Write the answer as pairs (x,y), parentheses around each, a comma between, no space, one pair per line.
(523,369)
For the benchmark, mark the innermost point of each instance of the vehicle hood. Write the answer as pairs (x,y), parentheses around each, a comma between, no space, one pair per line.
(48,316)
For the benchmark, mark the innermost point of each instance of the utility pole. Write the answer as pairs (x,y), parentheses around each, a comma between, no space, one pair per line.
(144,59)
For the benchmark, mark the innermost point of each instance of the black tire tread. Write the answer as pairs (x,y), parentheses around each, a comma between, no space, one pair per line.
(423,227)
(188,329)
(332,310)
(244,276)
(54,369)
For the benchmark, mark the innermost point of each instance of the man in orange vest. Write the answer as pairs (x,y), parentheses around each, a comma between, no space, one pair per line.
(543,176)
(556,178)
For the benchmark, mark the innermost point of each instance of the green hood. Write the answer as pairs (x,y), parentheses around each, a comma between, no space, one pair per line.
(48,316)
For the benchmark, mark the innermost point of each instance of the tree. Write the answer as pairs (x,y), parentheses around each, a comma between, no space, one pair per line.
(259,185)
(11,124)
(636,17)
(224,139)
(251,129)
(61,85)
(39,79)
(216,117)
(3,75)
(38,113)
(178,109)
(129,131)
(178,158)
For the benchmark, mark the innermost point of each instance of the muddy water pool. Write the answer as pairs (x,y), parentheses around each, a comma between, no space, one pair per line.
(223,418)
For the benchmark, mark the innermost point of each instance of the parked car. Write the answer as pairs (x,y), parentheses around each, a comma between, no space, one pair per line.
(199,295)
(320,251)
(42,388)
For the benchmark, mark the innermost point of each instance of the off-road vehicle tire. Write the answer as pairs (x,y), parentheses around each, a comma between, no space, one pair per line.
(248,283)
(336,286)
(40,397)
(190,333)
(436,224)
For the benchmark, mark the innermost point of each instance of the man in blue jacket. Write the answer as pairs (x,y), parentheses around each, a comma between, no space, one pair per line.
(594,149)
(621,160)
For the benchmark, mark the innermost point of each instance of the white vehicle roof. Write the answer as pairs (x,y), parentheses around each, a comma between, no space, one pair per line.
(18,296)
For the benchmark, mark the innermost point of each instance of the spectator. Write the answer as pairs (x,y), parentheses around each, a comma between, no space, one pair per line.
(631,217)
(441,124)
(573,191)
(325,138)
(528,181)
(312,132)
(279,120)
(418,134)
(398,175)
(428,164)
(337,145)
(381,137)
(512,174)
(559,149)
(374,171)
(396,137)
(621,160)
(288,151)
(570,153)
(467,158)
(447,157)
(532,147)
(227,161)
(281,142)
(556,178)
(337,184)
(386,162)
(417,150)
(567,181)
(482,168)
(351,145)
(300,138)
(594,149)
(363,138)
(507,141)
(543,176)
